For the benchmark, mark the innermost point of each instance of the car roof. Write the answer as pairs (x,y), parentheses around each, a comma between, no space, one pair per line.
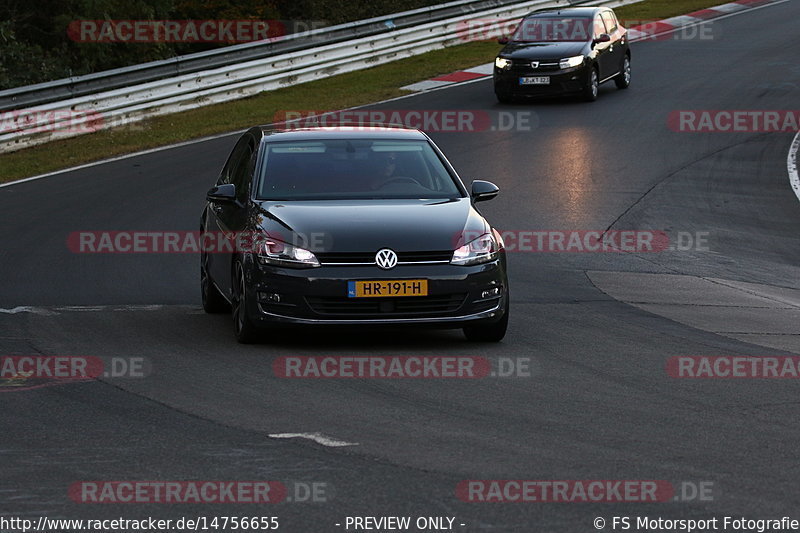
(570,11)
(283,132)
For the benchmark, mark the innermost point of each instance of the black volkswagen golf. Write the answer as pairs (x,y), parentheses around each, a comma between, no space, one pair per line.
(350,225)
(561,51)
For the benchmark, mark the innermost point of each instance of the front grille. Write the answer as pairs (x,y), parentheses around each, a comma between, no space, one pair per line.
(387,307)
(368,258)
(544,66)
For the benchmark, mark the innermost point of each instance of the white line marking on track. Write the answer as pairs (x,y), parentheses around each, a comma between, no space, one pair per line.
(57,309)
(316,437)
(26,309)
(121,157)
(791,163)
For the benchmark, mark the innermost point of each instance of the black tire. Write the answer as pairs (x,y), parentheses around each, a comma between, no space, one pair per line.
(213,301)
(493,332)
(246,332)
(623,81)
(592,88)
(504,98)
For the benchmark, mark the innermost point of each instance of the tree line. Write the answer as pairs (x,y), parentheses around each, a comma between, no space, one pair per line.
(38,40)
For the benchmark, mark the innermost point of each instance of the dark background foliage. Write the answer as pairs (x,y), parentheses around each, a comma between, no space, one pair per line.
(35,47)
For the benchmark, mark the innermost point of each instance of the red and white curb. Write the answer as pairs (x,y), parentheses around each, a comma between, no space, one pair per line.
(637,33)
(643,33)
(470,74)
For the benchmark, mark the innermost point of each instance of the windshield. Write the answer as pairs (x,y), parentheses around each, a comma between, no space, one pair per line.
(352,169)
(553,29)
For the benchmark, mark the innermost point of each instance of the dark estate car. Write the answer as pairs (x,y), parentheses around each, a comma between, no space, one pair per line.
(351,225)
(562,51)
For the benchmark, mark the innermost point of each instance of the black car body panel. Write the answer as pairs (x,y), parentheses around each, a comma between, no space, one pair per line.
(348,225)
(542,51)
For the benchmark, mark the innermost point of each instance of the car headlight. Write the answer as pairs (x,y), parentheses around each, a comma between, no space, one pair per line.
(571,62)
(480,250)
(275,252)
(502,63)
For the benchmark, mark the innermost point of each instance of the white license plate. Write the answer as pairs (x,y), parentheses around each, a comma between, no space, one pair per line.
(537,80)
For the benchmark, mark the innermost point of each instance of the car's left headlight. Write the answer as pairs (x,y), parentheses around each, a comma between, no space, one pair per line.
(275,252)
(571,62)
(481,250)
(502,63)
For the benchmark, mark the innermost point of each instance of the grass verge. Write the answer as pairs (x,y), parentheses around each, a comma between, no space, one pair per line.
(338,92)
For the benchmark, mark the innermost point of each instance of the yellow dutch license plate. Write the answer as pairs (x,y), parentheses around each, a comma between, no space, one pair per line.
(387,288)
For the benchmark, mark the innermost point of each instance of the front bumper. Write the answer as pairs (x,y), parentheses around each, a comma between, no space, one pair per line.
(561,81)
(319,295)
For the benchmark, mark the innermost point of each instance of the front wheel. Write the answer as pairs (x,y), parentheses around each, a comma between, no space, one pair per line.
(623,80)
(489,332)
(592,87)
(246,332)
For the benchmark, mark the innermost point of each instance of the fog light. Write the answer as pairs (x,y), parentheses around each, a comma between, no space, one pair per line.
(269,297)
(490,293)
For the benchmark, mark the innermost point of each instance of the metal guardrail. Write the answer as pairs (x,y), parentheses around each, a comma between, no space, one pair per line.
(42,93)
(119,97)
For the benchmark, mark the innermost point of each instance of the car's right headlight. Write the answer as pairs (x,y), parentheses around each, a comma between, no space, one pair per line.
(481,250)
(275,252)
(571,62)
(502,63)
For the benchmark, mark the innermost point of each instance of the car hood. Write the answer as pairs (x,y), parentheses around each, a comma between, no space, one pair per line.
(545,50)
(357,226)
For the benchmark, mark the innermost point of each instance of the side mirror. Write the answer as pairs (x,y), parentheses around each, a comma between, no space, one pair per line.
(603,38)
(503,40)
(224,194)
(483,190)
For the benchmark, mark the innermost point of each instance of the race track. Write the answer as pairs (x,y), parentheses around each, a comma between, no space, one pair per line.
(598,328)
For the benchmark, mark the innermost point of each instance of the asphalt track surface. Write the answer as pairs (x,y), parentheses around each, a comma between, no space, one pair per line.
(598,405)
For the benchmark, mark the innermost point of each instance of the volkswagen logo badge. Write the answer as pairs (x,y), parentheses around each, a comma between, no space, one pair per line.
(386,259)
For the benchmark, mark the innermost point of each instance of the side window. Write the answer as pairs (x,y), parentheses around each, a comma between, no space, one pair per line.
(610,20)
(243,164)
(226,176)
(599,27)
